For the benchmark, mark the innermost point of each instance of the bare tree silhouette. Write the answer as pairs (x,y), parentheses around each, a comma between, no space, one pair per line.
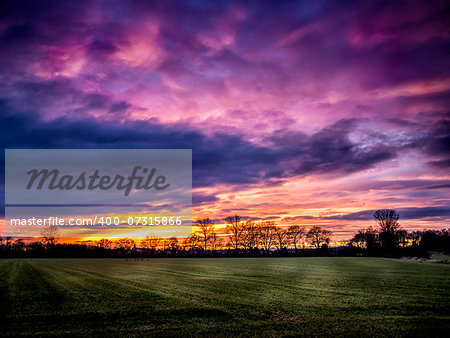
(50,236)
(125,244)
(206,230)
(250,235)
(267,234)
(317,236)
(173,244)
(296,234)
(389,227)
(105,243)
(151,242)
(235,229)
(365,239)
(192,242)
(281,238)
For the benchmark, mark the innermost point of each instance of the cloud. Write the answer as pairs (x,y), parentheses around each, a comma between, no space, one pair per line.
(217,159)
(263,92)
(405,213)
(393,185)
(438,143)
(198,198)
(330,150)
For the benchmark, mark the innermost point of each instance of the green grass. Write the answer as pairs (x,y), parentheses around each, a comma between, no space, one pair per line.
(225,296)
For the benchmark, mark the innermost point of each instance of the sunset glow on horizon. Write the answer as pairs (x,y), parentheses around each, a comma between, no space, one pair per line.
(298,112)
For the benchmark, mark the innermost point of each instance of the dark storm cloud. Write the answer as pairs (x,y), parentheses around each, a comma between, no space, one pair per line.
(417,184)
(329,149)
(438,143)
(218,158)
(198,198)
(432,140)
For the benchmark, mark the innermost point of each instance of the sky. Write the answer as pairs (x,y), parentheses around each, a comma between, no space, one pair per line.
(301,112)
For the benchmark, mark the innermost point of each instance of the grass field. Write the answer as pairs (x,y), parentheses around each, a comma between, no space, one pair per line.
(225,296)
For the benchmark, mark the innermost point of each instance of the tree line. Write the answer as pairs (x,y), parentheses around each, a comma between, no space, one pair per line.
(244,237)
(390,239)
(241,237)
(248,236)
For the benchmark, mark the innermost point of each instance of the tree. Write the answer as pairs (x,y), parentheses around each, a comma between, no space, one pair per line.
(206,230)
(105,243)
(281,238)
(266,234)
(295,235)
(387,219)
(151,242)
(125,244)
(358,240)
(192,242)
(173,245)
(365,238)
(415,237)
(250,234)
(19,244)
(216,242)
(8,241)
(389,227)
(164,244)
(402,237)
(234,229)
(317,236)
(50,236)
(438,240)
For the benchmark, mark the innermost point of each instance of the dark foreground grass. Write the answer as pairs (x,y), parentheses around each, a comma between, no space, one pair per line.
(224,297)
